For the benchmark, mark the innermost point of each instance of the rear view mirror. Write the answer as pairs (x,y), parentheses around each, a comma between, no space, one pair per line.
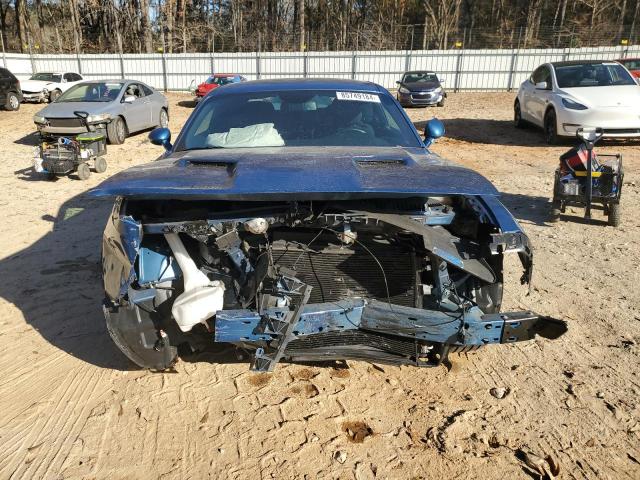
(432,130)
(398,82)
(161,136)
(542,86)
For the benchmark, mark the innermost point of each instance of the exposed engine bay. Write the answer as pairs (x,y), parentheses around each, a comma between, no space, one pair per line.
(389,280)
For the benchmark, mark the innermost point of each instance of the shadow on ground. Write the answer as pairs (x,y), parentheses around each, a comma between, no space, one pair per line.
(32,139)
(56,284)
(503,132)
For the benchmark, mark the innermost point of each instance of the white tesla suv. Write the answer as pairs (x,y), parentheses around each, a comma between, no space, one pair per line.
(562,96)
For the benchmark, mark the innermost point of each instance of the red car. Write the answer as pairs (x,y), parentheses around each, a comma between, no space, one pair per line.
(632,64)
(217,80)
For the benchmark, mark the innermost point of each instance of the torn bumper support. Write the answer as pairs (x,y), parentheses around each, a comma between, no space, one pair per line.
(376,331)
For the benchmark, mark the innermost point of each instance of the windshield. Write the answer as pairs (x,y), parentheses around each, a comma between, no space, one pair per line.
(631,64)
(414,77)
(47,77)
(298,118)
(592,75)
(92,92)
(219,80)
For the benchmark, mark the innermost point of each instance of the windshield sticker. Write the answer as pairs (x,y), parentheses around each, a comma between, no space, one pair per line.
(358,97)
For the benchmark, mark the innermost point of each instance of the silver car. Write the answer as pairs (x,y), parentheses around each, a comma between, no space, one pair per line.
(115,107)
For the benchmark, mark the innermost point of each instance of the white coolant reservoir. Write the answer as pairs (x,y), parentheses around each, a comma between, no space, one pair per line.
(201,298)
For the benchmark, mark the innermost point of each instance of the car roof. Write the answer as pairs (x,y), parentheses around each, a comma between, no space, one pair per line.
(571,63)
(420,71)
(298,84)
(225,75)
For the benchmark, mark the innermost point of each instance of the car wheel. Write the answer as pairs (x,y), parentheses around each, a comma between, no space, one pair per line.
(100,164)
(13,102)
(517,116)
(551,128)
(53,96)
(83,171)
(117,131)
(555,210)
(615,215)
(164,119)
(441,103)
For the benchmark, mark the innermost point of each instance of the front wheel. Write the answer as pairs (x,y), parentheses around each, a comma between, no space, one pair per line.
(13,102)
(517,116)
(53,96)
(117,131)
(615,215)
(83,171)
(441,103)
(164,119)
(551,128)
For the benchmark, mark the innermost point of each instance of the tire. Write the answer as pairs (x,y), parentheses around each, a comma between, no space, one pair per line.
(13,102)
(164,119)
(554,216)
(84,172)
(517,116)
(441,103)
(117,131)
(100,165)
(53,96)
(615,215)
(551,128)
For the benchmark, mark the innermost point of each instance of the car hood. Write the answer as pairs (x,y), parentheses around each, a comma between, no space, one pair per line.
(614,96)
(34,85)
(66,109)
(296,173)
(421,86)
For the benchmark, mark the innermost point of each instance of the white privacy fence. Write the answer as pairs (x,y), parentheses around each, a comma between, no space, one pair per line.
(462,69)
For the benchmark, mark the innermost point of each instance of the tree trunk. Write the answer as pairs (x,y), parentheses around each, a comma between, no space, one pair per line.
(301,29)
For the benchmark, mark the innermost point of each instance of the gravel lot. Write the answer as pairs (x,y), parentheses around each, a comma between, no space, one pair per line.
(71,406)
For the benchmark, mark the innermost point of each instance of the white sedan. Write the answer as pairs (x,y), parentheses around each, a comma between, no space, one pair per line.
(48,86)
(562,96)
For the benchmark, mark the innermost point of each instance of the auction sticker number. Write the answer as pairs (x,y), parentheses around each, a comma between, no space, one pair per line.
(358,96)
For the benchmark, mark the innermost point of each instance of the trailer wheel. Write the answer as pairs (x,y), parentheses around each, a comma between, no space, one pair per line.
(83,171)
(615,214)
(100,165)
(555,210)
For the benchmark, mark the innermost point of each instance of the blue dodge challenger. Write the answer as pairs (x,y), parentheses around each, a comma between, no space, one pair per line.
(306,220)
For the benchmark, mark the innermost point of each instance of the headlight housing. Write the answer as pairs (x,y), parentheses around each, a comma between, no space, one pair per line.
(572,104)
(39,119)
(438,90)
(100,117)
(403,90)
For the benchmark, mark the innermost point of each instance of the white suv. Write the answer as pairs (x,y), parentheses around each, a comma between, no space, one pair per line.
(47,86)
(562,96)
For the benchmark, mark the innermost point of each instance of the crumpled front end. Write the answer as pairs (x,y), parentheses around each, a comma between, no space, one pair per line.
(395,280)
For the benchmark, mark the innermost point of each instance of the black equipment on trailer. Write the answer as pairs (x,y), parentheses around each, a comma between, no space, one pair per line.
(584,179)
(66,155)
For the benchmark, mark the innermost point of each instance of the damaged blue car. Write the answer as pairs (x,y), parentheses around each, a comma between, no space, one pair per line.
(304,221)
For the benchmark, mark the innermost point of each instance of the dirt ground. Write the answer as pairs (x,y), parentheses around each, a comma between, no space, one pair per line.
(72,406)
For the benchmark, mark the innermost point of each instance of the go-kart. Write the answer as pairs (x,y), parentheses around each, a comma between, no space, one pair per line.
(60,156)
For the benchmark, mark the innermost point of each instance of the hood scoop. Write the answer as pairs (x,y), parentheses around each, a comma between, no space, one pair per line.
(380,163)
(230,166)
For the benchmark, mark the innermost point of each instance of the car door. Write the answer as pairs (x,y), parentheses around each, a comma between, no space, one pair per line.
(137,112)
(5,85)
(541,96)
(154,105)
